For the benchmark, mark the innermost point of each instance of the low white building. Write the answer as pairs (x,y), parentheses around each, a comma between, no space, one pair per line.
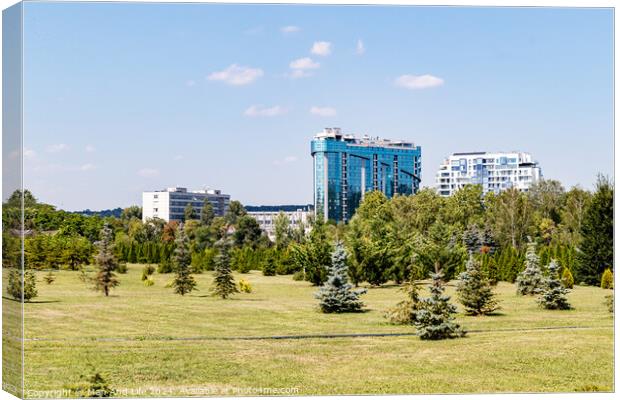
(266,217)
(494,171)
(169,204)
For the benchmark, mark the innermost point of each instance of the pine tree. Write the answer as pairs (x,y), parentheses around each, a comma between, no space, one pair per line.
(184,281)
(405,312)
(223,281)
(596,250)
(530,280)
(553,296)
(337,294)
(105,279)
(474,290)
(14,285)
(435,320)
(567,279)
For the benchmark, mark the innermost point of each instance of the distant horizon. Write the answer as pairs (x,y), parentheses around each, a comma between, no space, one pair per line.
(230,95)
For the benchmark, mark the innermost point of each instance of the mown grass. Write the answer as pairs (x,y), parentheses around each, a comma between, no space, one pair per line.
(132,337)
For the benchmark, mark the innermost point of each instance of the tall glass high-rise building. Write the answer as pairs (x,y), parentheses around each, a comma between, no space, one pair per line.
(346,167)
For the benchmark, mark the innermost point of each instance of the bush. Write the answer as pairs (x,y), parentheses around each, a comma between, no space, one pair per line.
(165,266)
(148,281)
(607,280)
(245,286)
(96,386)
(299,276)
(269,266)
(567,279)
(147,271)
(609,302)
(121,268)
(14,286)
(49,278)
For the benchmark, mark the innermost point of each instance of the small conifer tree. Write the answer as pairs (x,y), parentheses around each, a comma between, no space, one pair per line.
(474,290)
(553,296)
(567,279)
(530,280)
(105,279)
(14,285)
(223,281)
(607,280)
(184,281)
(435,320)
(404,313)
(269,266)
(337,294)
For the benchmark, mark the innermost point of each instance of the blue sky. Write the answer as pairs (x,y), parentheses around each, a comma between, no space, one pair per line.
(121,98)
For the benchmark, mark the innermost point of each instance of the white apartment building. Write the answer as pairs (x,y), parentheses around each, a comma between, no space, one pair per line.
(169,204)
(494,171)
(266,218)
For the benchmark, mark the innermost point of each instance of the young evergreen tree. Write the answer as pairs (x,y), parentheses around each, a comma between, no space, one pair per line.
(607,280)
(184,281)
(434,319)
(337,294)
(405,312)
(223,281)
(474,290)
(207,214)
(596,250)
(530,280)
(106,261)
(567,279)
(553,296)
(14,285)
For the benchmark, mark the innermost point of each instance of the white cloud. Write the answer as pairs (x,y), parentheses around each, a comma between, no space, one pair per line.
(304,63)
(290,29)
(360,49)
(260,111)
(87,167)
(323,111)
(302,67)
(285,160)
(148,172)
(237,75)
(90,148)
(321,48)
(418,81)
(56,148)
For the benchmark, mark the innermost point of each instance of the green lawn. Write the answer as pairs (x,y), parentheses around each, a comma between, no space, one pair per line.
(131,339)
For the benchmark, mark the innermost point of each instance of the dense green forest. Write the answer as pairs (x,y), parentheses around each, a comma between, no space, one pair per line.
(406,237)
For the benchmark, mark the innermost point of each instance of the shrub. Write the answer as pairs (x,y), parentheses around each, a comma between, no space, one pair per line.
(299,276)
(96,386)
(14,286)
(404,313)
(567,279)
(269,266)
(121,268)
(147,271)
(165,266)
(148,281)
(245,286)
(607,280)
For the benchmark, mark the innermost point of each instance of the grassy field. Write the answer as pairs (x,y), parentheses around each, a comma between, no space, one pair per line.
(150,341)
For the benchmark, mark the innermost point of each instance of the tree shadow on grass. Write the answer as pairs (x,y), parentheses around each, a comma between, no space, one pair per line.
(32,301)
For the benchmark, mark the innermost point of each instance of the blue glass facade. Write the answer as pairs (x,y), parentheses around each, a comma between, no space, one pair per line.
(345,168)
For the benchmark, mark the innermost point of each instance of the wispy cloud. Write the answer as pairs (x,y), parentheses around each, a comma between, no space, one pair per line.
(237,75)
(56,148)
(260,111)
(321,48)
(90,148)
(414,82)
(285,160)
(148,172)
(323,111)
(290,29)
(302,67)
(87,167)
(360,48)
